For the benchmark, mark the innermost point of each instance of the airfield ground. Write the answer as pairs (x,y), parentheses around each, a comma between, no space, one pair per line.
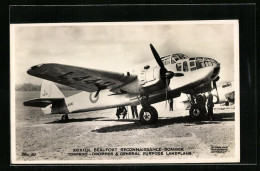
(45,137)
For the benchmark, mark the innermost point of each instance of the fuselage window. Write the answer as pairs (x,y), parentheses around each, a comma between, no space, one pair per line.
(226,85)
(185,66)
(209,63)
(178,66)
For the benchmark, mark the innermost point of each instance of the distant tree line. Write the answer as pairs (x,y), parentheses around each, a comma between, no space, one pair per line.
(35,87)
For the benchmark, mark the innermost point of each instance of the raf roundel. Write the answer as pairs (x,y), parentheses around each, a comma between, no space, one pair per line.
(92,97)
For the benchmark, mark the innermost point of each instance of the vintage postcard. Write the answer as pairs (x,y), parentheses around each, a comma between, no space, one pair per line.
(125,92)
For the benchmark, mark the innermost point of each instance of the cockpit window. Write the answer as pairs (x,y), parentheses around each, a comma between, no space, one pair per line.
(178,66)
(192,65)
(214,61)
(201,64)
(198,65)
(173,61)
(167,61)
(185,66)
(176,58)
(206,63)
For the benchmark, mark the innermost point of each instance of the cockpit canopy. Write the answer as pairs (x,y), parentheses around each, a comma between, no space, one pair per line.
(190,64)
(172,59)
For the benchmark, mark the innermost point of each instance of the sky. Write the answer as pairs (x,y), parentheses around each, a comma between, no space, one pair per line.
(118,46)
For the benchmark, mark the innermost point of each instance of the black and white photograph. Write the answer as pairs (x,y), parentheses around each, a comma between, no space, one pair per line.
(125,92)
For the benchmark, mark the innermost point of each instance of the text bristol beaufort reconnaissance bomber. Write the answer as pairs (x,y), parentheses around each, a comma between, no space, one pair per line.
(145,85)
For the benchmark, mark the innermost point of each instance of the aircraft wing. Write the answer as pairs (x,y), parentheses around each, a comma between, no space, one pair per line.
(85,79)
(42,102)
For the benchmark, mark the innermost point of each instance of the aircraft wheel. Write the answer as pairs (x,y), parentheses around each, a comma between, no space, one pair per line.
(227,103)
(197,111)
(148,116)
(65,118)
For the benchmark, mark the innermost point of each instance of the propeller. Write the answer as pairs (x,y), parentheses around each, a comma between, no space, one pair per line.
(165,73)
(168,74)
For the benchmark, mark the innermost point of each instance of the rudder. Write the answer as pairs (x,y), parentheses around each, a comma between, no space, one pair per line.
(50,90)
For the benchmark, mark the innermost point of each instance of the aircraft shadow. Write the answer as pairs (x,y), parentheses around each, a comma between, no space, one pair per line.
(74,120)
(164,122)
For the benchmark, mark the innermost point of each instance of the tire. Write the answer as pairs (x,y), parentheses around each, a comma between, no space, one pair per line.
(215,99)
(148,116)
(226,103)
(64,118)
(197,112)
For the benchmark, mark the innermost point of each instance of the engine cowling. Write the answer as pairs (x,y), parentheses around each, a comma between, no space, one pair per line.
(151,80)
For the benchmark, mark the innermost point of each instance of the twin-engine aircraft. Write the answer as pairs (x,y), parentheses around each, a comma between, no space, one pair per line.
(224,94)
(145,85)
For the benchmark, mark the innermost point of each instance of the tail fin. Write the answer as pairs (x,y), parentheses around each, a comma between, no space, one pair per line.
(50,90)
(51,100)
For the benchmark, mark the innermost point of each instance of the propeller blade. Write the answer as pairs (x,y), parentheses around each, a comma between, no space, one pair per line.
(157,57)
(165,73)
(167,83)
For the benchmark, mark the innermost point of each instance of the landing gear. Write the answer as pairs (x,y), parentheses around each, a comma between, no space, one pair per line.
(197,110)
(227,103)
(65,118)
(148,114)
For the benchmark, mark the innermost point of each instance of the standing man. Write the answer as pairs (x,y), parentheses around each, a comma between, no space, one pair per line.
(121,111)
(134,112)
(124,111)
(118,112)
(210,106)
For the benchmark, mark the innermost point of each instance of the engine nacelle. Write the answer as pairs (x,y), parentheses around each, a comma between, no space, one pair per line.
(150,80)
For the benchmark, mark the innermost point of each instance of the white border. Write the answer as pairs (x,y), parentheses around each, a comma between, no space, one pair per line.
(236,159)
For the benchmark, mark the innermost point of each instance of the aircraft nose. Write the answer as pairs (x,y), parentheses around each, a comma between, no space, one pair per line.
(215,71)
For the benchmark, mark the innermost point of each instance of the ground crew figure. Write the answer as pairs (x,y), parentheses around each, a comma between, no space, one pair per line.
(118,111)
(204,99)
(210,106)
(201,102)
(134,112)
(121,111)
(204,103)
(124,111)
(170,101)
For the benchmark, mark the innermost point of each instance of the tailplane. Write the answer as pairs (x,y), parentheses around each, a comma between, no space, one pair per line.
(51,99)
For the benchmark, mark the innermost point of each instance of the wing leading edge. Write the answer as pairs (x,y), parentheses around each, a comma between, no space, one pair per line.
(85,79)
